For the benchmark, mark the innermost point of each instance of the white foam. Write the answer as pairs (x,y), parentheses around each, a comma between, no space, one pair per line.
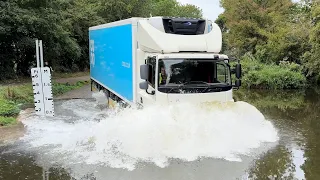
(154,134)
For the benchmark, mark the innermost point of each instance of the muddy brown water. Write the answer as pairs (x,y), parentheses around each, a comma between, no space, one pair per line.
(295,114)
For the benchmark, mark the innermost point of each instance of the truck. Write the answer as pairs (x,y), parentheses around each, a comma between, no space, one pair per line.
(140,62)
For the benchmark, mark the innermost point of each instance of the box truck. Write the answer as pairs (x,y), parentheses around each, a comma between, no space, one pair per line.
(161,60)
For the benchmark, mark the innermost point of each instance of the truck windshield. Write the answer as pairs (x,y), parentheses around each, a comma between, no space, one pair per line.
(193,76)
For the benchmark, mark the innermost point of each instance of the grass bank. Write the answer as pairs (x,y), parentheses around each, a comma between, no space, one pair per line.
(55,75)
(285,75)
(13,96)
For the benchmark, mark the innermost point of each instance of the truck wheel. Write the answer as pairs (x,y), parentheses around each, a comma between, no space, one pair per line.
(107,94)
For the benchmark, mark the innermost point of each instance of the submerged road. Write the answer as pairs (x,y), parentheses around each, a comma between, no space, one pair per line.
(79,143)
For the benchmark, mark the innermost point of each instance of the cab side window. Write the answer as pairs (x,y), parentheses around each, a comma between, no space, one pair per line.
(222,73)
(151,61)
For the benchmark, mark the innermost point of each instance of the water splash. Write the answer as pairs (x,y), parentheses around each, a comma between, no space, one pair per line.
(154,134)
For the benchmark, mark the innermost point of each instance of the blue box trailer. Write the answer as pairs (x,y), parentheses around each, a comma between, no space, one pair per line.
(112,58)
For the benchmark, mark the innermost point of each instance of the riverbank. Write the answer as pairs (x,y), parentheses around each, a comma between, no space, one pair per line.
(17,103)
(58,77)
(15,131)
(14,97)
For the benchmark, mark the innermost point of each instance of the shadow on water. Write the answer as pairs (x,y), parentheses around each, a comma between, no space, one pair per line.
(297,155)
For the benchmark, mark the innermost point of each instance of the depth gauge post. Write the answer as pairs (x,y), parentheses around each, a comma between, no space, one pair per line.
(42,87)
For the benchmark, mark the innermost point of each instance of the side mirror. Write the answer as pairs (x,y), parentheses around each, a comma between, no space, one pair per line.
(143,85)
(238,71)
(238,83)
(144,71)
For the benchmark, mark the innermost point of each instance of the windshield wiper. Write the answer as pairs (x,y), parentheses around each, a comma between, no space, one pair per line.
(195,83)
(216,89)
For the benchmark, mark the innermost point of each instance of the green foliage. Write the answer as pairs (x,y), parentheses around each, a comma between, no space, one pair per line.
(286,75)
(63,27)
(8,108)
(291,66)
(251,22)
(274,32)
(69,75)
(188,10)
(174,8)
(221,22)
(5,121)
(274,77)
(22,94)
(266,26)
(311,58)
(60,88)
(12,96)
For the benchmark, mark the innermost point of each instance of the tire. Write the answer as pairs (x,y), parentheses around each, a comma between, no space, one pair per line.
(107,94)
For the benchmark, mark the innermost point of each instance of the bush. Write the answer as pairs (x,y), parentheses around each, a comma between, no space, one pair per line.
(59,88)
(270,76)
(18,94)
(12,96)
(8,108)
(292,66)
(274,77)
(4,121)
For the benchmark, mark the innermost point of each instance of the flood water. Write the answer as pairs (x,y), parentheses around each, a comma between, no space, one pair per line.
(85,141)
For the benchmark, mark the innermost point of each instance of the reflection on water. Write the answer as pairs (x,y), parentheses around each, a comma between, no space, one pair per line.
(15,165)
(296,114)
(296,155)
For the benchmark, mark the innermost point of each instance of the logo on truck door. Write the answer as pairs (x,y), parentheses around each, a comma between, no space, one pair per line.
(92,52)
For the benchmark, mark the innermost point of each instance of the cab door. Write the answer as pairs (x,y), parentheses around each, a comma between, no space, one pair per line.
(148,96)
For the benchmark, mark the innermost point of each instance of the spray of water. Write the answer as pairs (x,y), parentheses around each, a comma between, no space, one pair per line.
(153,134)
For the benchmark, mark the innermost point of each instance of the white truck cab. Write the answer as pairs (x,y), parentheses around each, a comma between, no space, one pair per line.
(183,64)
(186,77)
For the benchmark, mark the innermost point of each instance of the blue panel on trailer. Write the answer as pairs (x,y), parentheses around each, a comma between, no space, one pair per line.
(111,59)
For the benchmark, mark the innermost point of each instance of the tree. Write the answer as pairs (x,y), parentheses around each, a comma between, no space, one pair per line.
(188,10)
(221,22)
(311,58)
(250,23)
(63,27)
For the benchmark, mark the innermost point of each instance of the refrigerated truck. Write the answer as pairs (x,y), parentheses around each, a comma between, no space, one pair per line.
(161,60)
